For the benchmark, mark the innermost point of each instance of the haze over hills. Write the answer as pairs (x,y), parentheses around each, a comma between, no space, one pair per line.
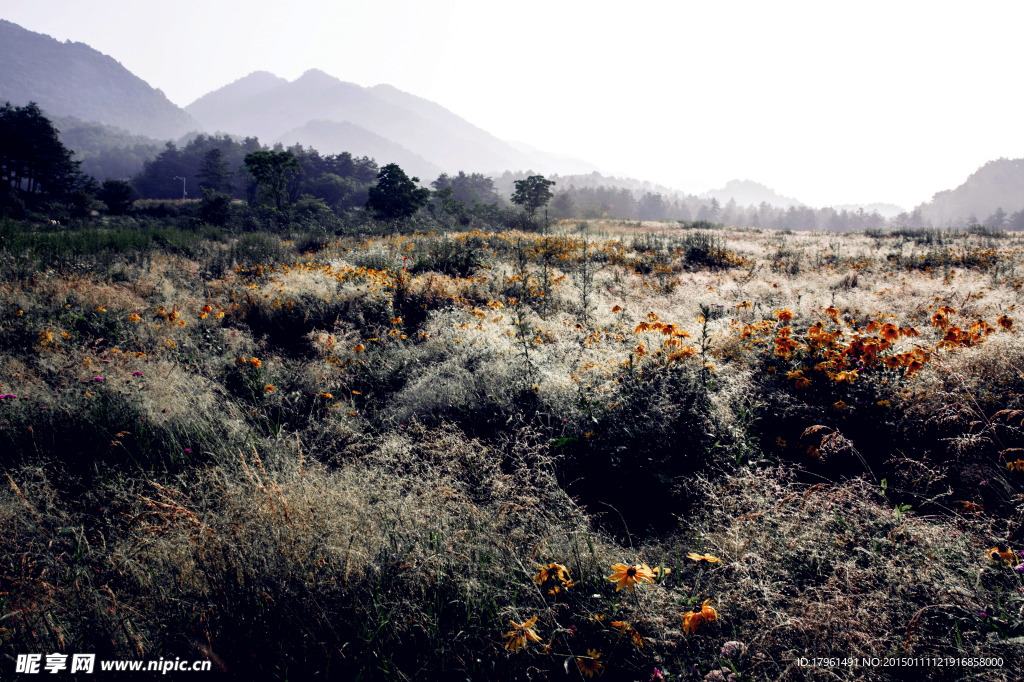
(883,209)
(749,193)
(997,184)
(73,79)
(332,137)
(83,88)
(261,104)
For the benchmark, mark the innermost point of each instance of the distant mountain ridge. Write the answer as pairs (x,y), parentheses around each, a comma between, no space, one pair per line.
(269,107)
(73,79)
(331,137)
(997,184)
(749,193)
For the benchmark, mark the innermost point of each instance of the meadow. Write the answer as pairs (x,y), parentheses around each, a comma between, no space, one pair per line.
(630,451)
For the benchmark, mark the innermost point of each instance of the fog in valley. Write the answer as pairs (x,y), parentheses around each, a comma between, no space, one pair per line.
(793,107)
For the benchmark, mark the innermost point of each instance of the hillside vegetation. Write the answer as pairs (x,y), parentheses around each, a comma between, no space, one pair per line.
(73,79)
(628,450)
(993,194)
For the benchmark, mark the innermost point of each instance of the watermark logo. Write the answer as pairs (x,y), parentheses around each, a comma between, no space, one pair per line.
(33,664)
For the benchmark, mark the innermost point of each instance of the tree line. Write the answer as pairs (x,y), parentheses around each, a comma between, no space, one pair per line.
(39,172)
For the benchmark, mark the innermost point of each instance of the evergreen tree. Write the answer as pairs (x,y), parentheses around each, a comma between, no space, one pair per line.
(396,196)
(118,195)
(34,163)
(997,220)
(215,173)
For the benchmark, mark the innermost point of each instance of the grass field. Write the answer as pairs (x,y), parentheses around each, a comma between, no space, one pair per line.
(421,456)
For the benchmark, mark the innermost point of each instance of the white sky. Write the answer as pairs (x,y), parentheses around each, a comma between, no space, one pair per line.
(824,101)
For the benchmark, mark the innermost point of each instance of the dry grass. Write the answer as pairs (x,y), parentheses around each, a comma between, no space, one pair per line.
(432,418)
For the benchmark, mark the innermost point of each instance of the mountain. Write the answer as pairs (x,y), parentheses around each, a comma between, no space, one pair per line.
(749,193)
(218,106)
(545,162)
(331,137)
(73,79)
(997,184)
(263,105)
(106,152)
(505,183)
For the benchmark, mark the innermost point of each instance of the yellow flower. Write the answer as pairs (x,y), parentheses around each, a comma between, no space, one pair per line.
(693,620)
(100,309)
(219,315)
(709,613)
(518,638)
(784,315)
(627,576)
(134,318)
(552,571)
(590,666)
(359,348)
(207,309)
(268,388)
(202,316)
(1004,555)
(256,363)
(703,557)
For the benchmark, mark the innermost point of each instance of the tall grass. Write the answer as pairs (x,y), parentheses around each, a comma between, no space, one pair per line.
(353,456)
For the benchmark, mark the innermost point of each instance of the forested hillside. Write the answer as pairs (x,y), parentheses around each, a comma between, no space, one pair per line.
(993,195)
(105,151)
(73,79)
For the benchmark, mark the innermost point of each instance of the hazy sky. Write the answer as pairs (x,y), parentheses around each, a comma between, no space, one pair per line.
(824,101)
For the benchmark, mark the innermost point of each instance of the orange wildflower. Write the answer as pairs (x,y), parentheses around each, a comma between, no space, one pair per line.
(552,571)
(628,576)
(590,666)
(693,620)
(1003,554)
(518,638)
